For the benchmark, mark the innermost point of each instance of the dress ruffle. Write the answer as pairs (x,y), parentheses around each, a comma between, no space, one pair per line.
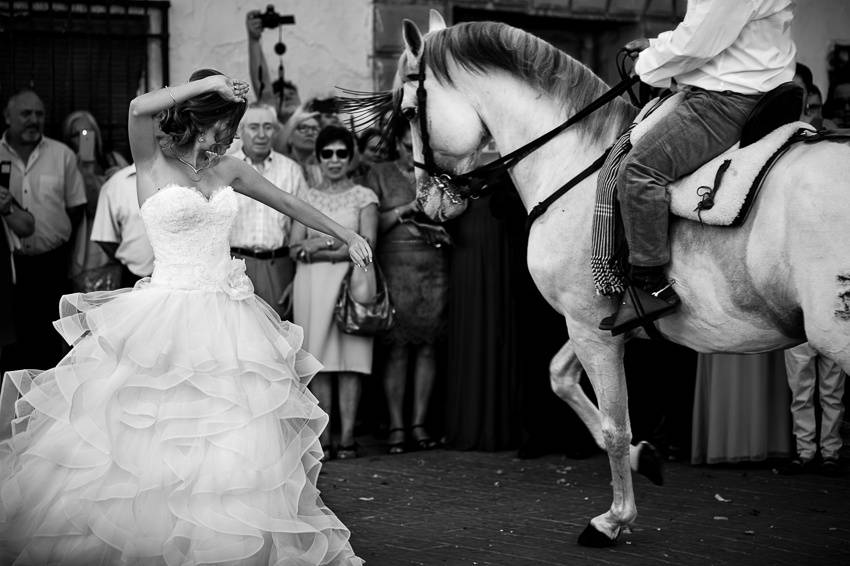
(179,430)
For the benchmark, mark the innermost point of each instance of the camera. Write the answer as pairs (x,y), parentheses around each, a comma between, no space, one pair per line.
(271,19)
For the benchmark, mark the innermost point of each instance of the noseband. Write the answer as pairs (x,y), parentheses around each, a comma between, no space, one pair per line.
(477,182)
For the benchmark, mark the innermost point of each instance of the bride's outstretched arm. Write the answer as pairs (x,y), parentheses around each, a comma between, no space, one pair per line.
(144,108)
(247,181)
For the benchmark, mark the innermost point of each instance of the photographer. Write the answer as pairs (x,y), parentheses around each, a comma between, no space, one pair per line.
(268,91)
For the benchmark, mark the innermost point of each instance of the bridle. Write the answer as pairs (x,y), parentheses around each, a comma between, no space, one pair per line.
(480,181)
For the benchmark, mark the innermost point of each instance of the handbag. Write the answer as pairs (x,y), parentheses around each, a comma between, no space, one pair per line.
(364,318)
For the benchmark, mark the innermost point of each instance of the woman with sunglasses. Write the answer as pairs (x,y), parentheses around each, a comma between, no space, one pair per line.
(412,256)
(322,264)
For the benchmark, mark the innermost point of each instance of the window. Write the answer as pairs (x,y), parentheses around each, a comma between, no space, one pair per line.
(93,56)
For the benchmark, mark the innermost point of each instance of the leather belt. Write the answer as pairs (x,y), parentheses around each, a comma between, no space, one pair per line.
(262,254)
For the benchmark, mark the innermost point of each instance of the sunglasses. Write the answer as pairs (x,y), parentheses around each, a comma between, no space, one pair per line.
(328,153)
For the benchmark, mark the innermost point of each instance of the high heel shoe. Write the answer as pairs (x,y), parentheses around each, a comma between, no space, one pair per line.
(396,447)
(426,442)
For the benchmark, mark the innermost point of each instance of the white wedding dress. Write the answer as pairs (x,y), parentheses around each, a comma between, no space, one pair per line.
(179,430)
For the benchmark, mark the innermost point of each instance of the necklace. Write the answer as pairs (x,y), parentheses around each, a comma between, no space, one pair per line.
(211,160)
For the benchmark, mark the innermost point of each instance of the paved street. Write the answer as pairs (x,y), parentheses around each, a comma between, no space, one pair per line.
(448,507)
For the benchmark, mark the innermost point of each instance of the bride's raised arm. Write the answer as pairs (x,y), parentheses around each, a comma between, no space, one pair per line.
(144,108)
(247,181)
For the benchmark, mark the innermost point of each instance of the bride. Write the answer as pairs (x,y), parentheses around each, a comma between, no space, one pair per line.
(179,430)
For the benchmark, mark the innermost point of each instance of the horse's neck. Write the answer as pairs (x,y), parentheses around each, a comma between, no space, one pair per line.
(515,114)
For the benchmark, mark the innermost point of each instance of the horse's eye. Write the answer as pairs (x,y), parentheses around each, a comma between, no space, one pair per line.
(409,113)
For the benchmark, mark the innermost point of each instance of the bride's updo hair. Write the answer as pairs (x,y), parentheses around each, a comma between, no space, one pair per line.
(181,124)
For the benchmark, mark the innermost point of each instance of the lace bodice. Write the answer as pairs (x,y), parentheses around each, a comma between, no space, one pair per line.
(343,207)
(189,235)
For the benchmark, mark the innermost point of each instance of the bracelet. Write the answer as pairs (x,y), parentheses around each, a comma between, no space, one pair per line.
(168,90)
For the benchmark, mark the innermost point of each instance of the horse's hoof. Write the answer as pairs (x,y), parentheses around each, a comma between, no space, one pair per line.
(593,538)
(650,463)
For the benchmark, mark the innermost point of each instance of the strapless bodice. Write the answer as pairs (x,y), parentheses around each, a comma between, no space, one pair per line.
(189,234)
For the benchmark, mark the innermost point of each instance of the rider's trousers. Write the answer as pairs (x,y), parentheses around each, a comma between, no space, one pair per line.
(808,370)
(701,127)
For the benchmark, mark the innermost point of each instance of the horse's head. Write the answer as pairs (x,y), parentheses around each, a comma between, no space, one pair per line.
(447,131)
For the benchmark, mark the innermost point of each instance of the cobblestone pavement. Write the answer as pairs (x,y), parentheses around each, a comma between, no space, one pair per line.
(475,508)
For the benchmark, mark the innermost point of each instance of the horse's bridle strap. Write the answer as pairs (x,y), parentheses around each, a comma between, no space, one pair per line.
(421,103)
(544,205)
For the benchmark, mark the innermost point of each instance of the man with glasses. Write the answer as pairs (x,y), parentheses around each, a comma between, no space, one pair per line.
(260,234)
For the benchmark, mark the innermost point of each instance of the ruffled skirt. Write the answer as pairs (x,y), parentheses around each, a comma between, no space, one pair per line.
(179,430)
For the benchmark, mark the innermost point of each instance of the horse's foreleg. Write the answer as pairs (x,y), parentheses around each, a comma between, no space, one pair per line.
(602,359)
(565,379)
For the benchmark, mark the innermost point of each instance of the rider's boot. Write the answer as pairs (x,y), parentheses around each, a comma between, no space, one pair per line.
(649,297)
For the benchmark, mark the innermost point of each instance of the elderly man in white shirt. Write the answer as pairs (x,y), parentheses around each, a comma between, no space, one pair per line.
(118,227)
(724,55)
(260,234)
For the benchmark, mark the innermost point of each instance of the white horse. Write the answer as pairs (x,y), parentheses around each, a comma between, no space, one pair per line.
(780,279)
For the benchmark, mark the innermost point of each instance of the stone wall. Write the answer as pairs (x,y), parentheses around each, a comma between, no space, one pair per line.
(330,43)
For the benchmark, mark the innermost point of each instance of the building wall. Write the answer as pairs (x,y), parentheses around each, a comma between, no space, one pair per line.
(330,43)
(818,25)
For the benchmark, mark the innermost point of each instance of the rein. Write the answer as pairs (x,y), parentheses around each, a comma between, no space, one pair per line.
(481,178)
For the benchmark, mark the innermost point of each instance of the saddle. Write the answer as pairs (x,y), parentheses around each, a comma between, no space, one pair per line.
(771,124)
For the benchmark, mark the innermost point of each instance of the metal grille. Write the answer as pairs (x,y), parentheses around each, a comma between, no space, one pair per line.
(93,56)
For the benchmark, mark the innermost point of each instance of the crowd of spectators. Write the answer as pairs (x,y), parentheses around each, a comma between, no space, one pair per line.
(465,364)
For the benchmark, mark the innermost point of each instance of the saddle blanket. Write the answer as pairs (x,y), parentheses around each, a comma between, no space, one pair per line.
(732,194)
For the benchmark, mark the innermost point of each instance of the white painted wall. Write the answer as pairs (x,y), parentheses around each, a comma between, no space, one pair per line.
(818,25)
(330,43)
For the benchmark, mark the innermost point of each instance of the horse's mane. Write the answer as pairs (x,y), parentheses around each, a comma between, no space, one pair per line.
(481,46)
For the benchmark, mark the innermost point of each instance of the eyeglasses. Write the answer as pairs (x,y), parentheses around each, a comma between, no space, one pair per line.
(328,153)
(305,129)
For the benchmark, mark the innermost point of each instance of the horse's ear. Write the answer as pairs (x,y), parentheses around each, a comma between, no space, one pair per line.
(435,21)
(412,37)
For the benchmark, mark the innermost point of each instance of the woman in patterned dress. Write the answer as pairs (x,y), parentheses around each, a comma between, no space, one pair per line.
(322,264)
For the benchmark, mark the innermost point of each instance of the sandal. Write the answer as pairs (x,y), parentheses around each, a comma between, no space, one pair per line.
(347,452)
(426,442)
(396,447)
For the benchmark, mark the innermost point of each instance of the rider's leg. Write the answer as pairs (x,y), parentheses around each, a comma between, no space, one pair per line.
(701,127)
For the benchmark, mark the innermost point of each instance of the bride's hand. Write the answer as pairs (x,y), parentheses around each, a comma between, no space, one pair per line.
(232,90)
(359,251)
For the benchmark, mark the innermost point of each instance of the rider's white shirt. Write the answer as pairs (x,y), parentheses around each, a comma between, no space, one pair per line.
(740,45)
